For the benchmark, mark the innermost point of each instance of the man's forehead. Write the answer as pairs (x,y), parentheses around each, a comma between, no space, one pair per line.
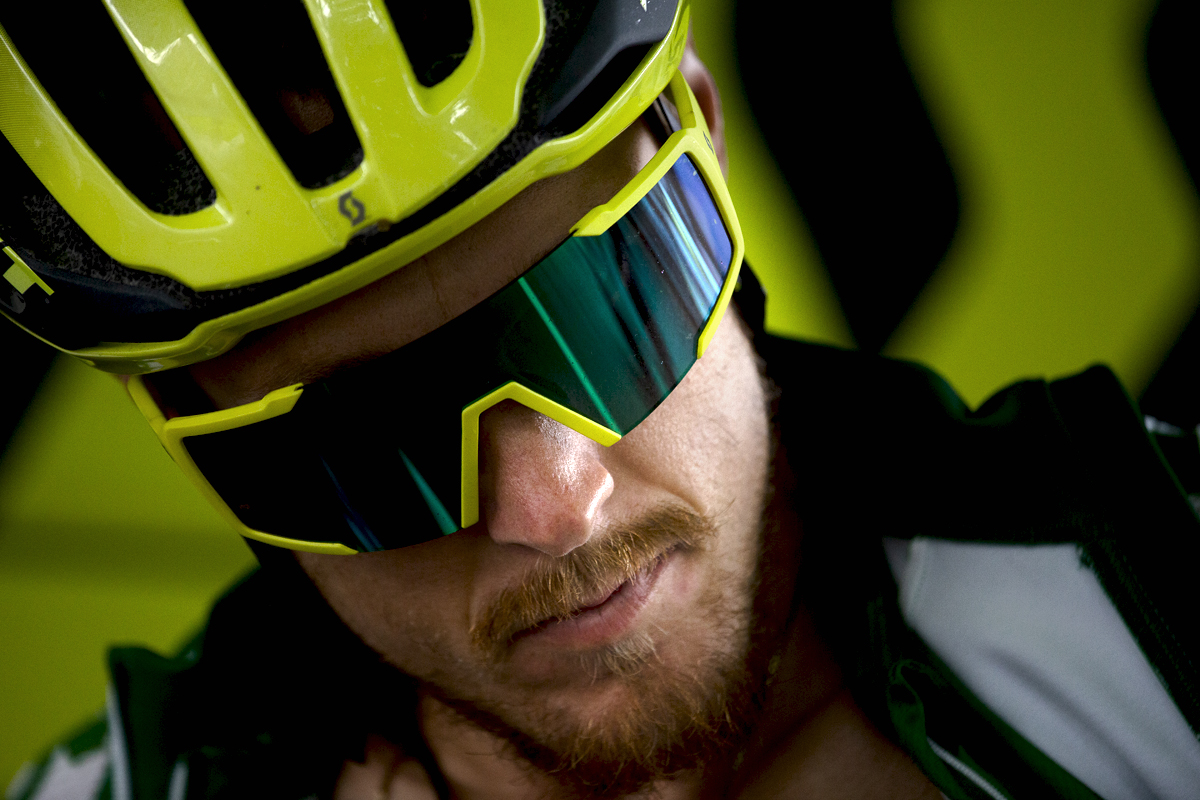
(431,290)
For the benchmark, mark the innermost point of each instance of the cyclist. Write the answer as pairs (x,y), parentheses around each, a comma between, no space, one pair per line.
(444,310)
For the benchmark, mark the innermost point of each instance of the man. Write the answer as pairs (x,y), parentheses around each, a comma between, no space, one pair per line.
(519,539)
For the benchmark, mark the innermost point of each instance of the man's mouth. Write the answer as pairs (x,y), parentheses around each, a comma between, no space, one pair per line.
(602,616)
(592,596)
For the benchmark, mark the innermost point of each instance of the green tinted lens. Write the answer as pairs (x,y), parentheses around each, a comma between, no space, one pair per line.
(605,325)
(625,308)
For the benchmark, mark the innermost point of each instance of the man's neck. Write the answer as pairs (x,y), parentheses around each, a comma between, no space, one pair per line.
(478,765)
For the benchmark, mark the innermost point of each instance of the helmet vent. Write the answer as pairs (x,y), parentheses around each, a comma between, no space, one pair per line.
(436,35)
(106,98)
(274,59)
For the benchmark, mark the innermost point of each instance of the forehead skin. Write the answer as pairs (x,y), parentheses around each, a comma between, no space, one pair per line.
(429,291)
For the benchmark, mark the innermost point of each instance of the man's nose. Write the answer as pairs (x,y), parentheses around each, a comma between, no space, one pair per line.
(542,485)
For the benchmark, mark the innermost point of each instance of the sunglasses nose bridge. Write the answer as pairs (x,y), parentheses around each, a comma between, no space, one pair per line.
(531,400)
(542,484)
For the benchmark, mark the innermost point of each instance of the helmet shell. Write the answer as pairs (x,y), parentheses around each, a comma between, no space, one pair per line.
(155,290)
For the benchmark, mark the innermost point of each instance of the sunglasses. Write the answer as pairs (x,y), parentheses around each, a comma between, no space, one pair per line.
(594,336)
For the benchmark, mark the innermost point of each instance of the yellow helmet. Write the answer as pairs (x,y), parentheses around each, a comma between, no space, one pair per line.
(210,173)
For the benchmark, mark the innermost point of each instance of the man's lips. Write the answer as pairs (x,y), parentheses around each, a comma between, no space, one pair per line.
(604,616)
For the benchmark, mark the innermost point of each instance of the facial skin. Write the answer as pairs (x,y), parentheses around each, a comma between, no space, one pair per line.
(673,638)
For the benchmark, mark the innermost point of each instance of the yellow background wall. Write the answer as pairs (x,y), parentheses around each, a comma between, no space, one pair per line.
(1078,243)
(1078,240)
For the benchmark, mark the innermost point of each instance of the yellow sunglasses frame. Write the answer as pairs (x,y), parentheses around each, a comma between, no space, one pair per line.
(693,139)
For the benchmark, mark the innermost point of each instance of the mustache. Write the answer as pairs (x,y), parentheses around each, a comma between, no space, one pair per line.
(556,589)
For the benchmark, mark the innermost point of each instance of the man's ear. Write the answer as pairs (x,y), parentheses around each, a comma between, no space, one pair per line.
(705,89)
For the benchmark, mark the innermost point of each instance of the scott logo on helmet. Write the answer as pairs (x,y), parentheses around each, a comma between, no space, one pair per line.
(352,208)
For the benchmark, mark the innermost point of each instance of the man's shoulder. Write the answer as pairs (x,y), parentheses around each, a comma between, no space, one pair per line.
(881,442)
(253,706)
(1047,515)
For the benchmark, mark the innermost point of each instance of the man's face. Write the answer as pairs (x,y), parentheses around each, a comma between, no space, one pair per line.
(604,598)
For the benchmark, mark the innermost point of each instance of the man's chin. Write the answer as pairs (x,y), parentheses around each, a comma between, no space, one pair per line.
(618,718)
(623,732)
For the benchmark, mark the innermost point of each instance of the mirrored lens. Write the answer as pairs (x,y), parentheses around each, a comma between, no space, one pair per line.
(605,325)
